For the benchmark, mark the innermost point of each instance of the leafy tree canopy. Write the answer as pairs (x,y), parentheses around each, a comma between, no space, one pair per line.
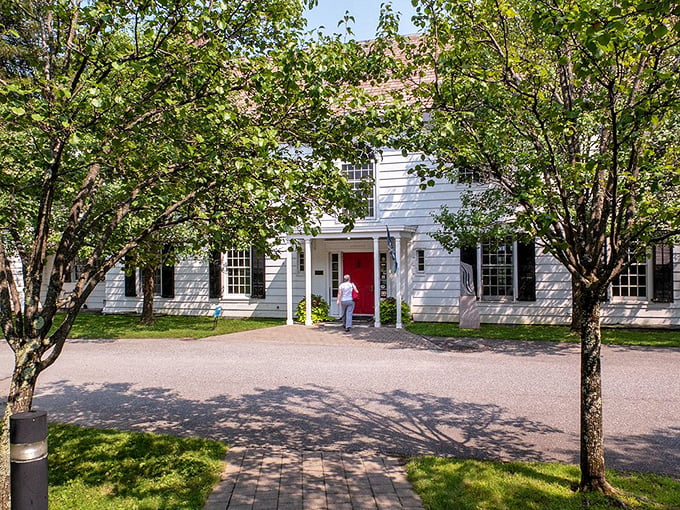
(129,121)
(567,112)
(571,109)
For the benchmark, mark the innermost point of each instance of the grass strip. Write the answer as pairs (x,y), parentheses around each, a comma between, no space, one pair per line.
(445,484)
(610,336)
(93,325)
(95,469)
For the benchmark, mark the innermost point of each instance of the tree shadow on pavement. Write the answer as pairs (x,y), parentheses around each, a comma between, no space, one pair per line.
(320,418)
(304,418)
(661,449)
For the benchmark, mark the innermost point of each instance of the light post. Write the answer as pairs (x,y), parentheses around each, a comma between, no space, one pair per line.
(28,460)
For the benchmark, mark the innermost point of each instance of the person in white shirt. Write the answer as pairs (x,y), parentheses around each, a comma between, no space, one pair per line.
(346,300)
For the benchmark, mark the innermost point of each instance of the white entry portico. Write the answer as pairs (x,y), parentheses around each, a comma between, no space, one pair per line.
(325,259)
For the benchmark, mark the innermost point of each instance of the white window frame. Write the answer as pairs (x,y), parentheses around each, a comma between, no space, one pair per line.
(513,268)
(617,287)
(300,261)
(420,261)
(76,269)
(242,272)
(373,199)
(157,280)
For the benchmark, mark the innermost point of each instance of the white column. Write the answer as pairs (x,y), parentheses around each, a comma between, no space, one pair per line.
(376,281)
(397,248)
(308,282)
(289,288)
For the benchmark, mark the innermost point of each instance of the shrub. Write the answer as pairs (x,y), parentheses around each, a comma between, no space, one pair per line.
(320,310)
(388,311)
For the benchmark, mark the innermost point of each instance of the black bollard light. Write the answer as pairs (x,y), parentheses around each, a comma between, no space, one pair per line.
(28,458)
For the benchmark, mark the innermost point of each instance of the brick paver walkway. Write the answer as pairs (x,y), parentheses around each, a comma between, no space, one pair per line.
(271,479)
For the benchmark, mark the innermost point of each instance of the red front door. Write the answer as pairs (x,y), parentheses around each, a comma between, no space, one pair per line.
(360,268)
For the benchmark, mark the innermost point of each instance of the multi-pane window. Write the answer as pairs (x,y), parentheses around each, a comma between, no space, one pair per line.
(497,270)
(157,281)
(503,270)
(469,174)
(647,277)
(358,176)
(239,273)
(420,254)
(632,282)
(74,271)
(662,269)
(237,268)
(335,274)
(301,261)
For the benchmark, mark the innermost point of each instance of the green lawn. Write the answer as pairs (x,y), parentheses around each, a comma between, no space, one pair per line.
(448,484)
(611,336)
(93,469)
(94,325)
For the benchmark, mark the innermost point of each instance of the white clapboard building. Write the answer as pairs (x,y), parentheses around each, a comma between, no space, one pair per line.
(514,283)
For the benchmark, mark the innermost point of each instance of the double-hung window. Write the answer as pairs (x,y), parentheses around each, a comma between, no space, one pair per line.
(469,174)
(503,270)
(647,277)
(237,267)
(245,273)
(74,271)
(632,282)
(361,176)
(164,277)
(497,270)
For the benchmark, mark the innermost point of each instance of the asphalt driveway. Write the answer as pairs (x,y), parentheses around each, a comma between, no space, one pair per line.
(381,390)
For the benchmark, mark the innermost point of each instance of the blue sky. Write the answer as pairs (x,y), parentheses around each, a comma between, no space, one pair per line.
(365,12)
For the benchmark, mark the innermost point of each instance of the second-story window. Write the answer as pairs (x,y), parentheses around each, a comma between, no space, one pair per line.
(469,174)
(358,176)
(74,271)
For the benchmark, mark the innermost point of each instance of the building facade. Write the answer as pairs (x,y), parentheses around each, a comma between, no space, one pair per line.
(391,253)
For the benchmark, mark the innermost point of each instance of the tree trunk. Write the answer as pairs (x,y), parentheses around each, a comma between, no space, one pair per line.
(592,439)
(20,399)
(5,502)
(148,281)
(576,314)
